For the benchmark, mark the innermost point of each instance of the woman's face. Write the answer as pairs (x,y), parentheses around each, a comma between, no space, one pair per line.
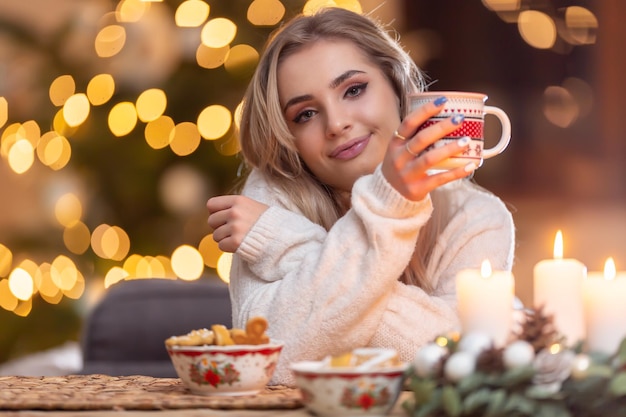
(340,108)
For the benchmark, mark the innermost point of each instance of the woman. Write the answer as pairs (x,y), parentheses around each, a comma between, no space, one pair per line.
(341,238)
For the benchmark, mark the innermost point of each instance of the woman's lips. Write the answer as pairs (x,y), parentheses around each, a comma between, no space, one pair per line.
(350,149)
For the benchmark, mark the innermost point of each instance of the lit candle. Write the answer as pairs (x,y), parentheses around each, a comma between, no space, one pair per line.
(604,297)
(485,302)
(558,288)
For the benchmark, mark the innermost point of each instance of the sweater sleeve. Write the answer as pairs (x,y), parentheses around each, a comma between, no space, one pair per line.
(480,228)
(325,292)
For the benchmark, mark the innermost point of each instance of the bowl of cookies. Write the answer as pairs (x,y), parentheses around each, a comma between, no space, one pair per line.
(223,361)
(363,382)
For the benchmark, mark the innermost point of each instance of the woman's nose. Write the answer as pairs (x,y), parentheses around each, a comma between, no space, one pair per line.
(337,122)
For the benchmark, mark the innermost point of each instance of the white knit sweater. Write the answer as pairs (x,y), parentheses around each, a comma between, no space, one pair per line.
(327,292)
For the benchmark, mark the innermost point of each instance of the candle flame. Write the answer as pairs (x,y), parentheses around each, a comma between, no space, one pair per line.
(485,269)
(609,269)
(558,245)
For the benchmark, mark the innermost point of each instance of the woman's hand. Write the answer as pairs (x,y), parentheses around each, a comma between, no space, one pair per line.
(406,164)
(232,217)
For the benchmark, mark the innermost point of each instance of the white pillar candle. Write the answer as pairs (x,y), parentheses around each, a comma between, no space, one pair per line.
(558,289)
(485,302)
(604,297)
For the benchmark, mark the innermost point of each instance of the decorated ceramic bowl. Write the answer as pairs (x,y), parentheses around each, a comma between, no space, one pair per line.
(225,370)
(348,391)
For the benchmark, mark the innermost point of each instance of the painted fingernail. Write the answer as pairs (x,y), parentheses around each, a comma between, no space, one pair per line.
(457,119)
(440,100)
(470,167)
(464,141)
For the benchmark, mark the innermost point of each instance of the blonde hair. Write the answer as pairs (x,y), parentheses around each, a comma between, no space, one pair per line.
(267,144)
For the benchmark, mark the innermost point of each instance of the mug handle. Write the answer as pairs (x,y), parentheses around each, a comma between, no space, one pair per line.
(505,138)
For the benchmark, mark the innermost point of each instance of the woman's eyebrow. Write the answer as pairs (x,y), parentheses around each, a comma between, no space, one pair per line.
(296,100)
(346,75)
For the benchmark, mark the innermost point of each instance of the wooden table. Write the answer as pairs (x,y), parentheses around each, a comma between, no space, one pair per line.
(140,396)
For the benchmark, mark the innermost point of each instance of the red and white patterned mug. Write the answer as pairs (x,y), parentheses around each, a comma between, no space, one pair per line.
(472,107)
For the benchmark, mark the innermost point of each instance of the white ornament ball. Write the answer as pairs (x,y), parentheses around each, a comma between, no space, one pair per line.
(459,365)
(428,359)
(517,354)
(475,343)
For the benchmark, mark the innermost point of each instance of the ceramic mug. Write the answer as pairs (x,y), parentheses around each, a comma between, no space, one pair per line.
(472,107)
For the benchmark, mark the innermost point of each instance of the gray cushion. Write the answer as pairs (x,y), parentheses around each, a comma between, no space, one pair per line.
(126,331)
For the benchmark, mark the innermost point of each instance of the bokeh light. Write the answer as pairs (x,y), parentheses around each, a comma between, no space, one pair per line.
(110,41)
(218,32)
(560,108)
(30,130)
(77,290)
(122,118)
(115,243)
(265,12)
(185,139)
(21,284)
(8,300)
(182,189)
(110,242)
(129,11)
(210,251)
(54,150)
(62,88)
(211,58)
(582,25)
(68,210)
(60,126)
(159,132)
(187,262)
(48,290)
(4,111)
(502,5)
(241,60)
(21,156)
(77,238)
(100,89)
(6,260)
(537,29)
(192,13)
(8,138)
(224,263)
(63,272)
(115,275)
(150,266)
(76,109)
(151,104)
(23,308)
(214,121)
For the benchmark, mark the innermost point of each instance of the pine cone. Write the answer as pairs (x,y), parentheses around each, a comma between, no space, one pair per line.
(538,329)
(490,360)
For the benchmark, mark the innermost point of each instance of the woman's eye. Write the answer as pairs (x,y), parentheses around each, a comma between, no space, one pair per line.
(356,90)
(304,116)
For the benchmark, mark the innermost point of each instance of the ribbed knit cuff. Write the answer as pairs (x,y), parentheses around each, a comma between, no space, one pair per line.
(256,239)
(387,201)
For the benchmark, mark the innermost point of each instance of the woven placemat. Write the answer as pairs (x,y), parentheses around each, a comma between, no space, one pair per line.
(102,392)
